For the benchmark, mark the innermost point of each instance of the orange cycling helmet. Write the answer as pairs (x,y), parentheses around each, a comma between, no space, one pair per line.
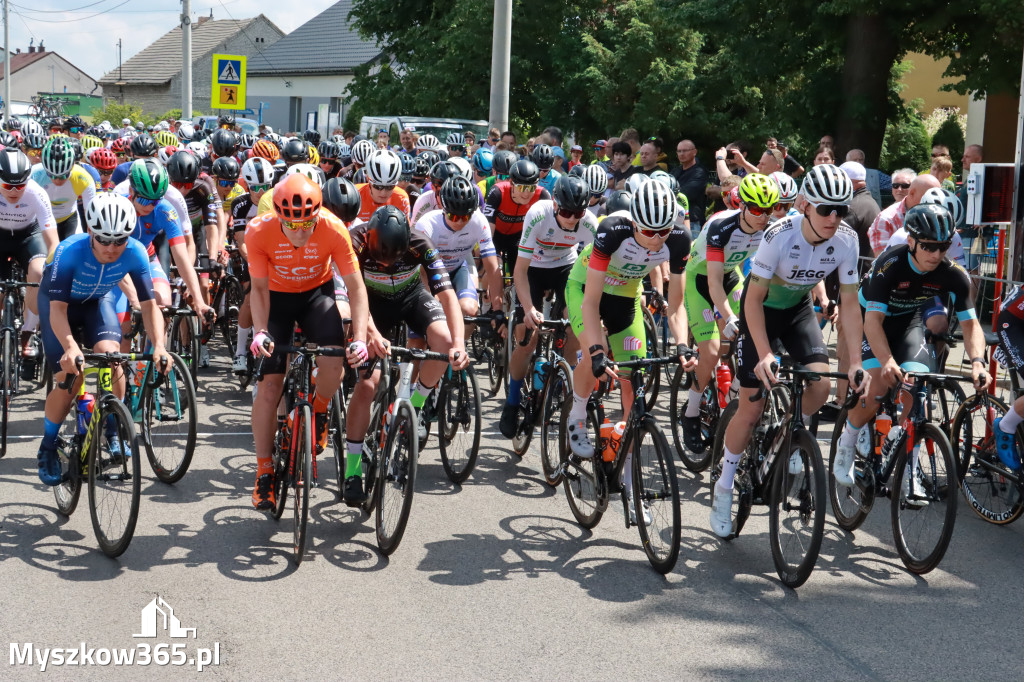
(267,150)
(297,199)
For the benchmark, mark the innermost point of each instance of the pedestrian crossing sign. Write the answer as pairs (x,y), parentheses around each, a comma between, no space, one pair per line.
(228,91)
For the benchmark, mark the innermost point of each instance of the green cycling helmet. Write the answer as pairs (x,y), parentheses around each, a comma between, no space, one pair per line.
(148,179)
(759,190)
(58,157)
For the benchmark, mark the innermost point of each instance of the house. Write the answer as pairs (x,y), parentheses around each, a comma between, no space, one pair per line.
(300,80)
(152,78)
(42,71)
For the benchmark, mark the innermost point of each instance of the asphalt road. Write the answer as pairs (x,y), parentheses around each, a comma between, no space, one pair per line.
(493,580)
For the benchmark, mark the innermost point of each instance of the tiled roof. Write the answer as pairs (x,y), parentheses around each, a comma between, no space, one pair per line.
(20,61)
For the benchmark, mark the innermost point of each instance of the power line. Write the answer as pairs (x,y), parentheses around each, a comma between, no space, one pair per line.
(68,21)
(251,40)
(59,11)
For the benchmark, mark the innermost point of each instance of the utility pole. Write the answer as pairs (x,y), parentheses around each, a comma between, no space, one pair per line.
(120,78)
(7,61)
(186,60)
(501,55)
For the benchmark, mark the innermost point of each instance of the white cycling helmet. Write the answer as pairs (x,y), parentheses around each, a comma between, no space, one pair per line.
(383,167)
(787,186)
(257,171)
(455,139)
(427,141)
(32,127)
(197,148)
(827,184)
(185,132)
(597,178)
(634,181)
(665,178)
(110,215)
(361,151)
(309,170)
(945,198)
(465,168)
(338,139)
(653,206)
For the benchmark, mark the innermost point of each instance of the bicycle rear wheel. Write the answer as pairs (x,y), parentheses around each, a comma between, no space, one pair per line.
(233,299)
(557,400)
(922,524)
(169,424)
(302,479)
(709,416)
(987,485)
(652,380)
(850,504)
(656,496)
(69,445)
(396,477)
(336,436)
(495,354)
(183,339)
(459,425)
(796,513)
(10,368)
(583,480)
(115,481)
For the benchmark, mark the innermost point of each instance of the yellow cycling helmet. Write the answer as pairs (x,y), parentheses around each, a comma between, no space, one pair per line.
(759,190)
(314,155)
(91,142)
(165,138)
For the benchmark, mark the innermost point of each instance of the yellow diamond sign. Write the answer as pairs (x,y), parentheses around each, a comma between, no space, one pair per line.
(228,91)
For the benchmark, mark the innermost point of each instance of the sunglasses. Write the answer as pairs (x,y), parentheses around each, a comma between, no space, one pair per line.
(654,233)
(184,186)
(901,185)
(260,188)
(932,247)
(566,213)
(303,225)
(12,186)
(458,217)
(826,210)
(783,206)
(456,148)
(62,176)
(935,156)
(104,241)
(525,188)
(226,183)
(758,211)
(382,188)
(78,130)
(493,139)
(142,201)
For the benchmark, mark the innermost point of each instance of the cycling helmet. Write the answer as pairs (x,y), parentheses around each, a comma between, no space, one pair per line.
(110,215)
(312,154)
(483,161)
(8,140)
(463,166)
(164,154)
(15,168)
(226,120)
(503,160)
(666,179)
(634,181)
(33,141)
(338,139)
(76,146)
(74,122)
(91,142)
(267,150)
(224,142)
(13,123)
(246,141)
(442,154)
(182,168)
(653,206)
(32,128)
(312,137)
(103,160)
(344,152)
(328,151)
(933,222)
(619,200)
(577,170)
(428,142)
(759,190)
(148,178)
(597,178)
(185,132)
(361,151)
(543,157)
(118,146)
(787,187)
(827,184)
(359,177)
(440,172)
(455,139)
(430,156)
(387,235)
(459,196)
(258,171)
(198,148)
(422,168)
(200,134)
(309,171)
(58,157)
(341,198)
(296,198)
(571,193)
(942,197)
(225,168)
(408,165)
(295,151)
(166,138)
(383,167)
(143,146)
(524,172)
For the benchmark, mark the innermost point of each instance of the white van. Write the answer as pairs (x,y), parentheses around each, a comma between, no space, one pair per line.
(370,126)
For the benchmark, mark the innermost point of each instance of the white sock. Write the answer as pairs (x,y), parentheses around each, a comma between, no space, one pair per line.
(807,419)
(579,407)
(627,475)
(849,435)
(730,460)
(693,403)
(1010,421)
(31,321)
(243,340)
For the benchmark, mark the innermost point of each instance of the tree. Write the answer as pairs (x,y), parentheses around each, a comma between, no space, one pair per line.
(906,143)
(951,135)
(115,113)
(176,114)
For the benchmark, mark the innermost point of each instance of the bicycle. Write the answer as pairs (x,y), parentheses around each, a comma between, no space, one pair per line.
(654,490)
(714,399)
(98,444)
(922,519)
(10,343)
(796,500)
(226,295)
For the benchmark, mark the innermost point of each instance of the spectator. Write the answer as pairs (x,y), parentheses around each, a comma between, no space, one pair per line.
(771,161)
(693,181)
(407,138)
(349,136)
(493,138)
(900,184)
(891,219)
(732,160)
(631,137)
(790,166)
(554,135)
(863,210)
(576,152)
(470,143)
(509,138)
(824,155)
(942,169)
(383,139)
(827,141)
(621,167)
(876,180)
(600,155)
(530,144)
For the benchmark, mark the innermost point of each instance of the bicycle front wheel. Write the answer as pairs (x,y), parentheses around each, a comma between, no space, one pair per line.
(183,339)
(9,368)
(396,476)
(924,511)
(987,485)
(459,425)
(557,399)
(169,424)
(796,513)
(302,479)
(656,497)
(336,436)
(115,481)
(850,504)
(652,380)
(583,479)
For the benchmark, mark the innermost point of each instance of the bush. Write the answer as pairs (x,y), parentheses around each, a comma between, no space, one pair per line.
(176,114)
(906,144)
(115,112)
(952,135)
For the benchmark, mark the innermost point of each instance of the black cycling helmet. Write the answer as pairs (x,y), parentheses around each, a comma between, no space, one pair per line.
(619,200)
(226,120)
(13,123)
(442,154)
(571,192)
(387,234)
(226,168)
(341,198)
(930,222)
(182,168)
(143,146)
(76,145)
(543,157)
(200,134)
(295,151)
(577,170)
(408,165)
(224,142)
(15,168)
(422,168)
(503,161)
(524,172)
(74,122)
(441,171)
(459,196)
(328,151)
(8,140)
(430,157)
(312,136)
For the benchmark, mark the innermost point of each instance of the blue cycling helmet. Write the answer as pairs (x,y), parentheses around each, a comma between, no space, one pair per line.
(483,161)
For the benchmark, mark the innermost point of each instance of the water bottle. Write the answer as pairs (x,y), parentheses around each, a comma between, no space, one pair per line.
(607,454)
(538,374)
(85,406)
(883,424)
(405,381)
(620,428)
(890,441)
(723,379)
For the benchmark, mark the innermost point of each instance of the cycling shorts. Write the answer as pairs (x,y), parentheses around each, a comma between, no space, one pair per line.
(68,226)
(796,328)
(465,281)
(202,251)
(622,317)
(905,336)
(416,308)
(23,245)
(91,322)
(507,246)
(932,308)
(1011,337)
(543,280)
(315,313)
(701,313)
(156,271)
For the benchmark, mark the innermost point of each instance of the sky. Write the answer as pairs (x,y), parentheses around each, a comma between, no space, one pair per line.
(85,32)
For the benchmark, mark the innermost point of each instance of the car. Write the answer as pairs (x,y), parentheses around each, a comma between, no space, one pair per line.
(369,126)
(249,126)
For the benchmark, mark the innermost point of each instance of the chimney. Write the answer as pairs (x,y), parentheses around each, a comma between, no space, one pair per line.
(203,20)
(41,48)
(17,50)
(31,49)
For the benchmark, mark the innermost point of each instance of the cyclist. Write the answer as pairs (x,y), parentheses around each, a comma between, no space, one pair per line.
(76,293)
(429,199)
(391,259)
(901,281)
(383,169)
(501,163)
(33,147)
(65,182)
(545,159)
(405,180)
(329,163)
(456,143)
(597,180)
(506,206)
(714,285)
(553,233)
(105,162)
(291,252)
(141,147)
(1010,324)
(794,257)
(788,192)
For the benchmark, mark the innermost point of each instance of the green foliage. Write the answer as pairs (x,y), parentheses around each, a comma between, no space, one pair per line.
(176,114)
(906,144)
(115,112)
(951,135)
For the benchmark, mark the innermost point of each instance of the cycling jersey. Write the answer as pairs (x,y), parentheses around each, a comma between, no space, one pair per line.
(506,215)
(398,198)
(790,266)
(121,172)
(548,181)
(73,275)
(546,243)
(896,288)
(456,247)
(163,219)
(723,240)
(236,191)
(174,197)
(293,269)
(427,201)
(202,202)
(625,263)
(395,280)
(32,209)
(243,209)
(64,198)
(956,245)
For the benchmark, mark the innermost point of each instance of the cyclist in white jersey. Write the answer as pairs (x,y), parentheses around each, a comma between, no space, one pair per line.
(795,255)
